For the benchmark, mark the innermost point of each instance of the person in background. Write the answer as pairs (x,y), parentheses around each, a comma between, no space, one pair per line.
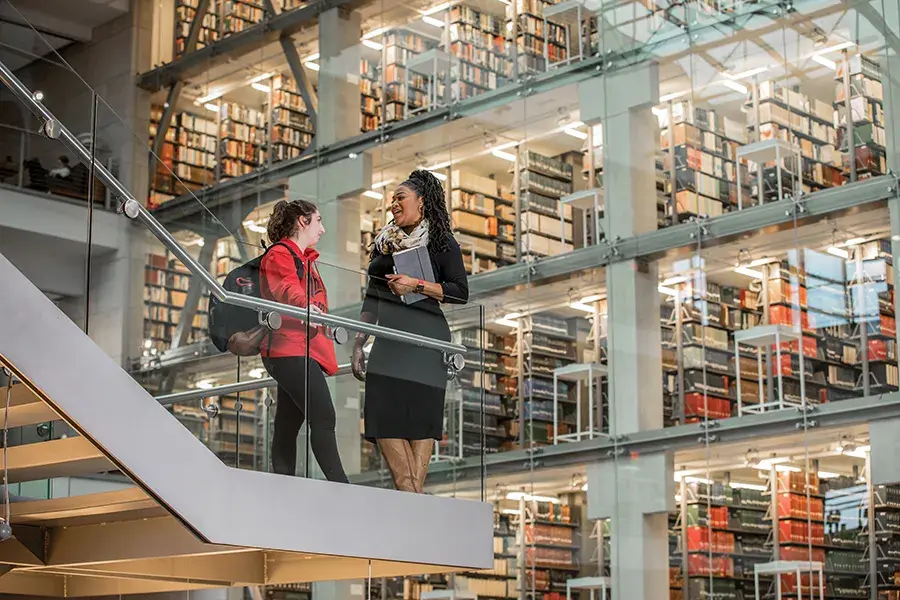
(62,168)
(299,355)
(405,384)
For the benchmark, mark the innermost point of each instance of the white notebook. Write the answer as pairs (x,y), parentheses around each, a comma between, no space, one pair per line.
(416,263)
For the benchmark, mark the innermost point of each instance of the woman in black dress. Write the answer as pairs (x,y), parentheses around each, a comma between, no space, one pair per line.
(405,384)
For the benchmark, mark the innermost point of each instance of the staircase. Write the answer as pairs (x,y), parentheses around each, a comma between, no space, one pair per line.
(189,522)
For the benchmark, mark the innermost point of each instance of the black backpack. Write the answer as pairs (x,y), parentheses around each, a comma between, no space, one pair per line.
(226,321)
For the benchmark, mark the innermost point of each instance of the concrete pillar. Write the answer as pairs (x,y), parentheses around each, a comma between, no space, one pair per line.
(339,55)
(619,490)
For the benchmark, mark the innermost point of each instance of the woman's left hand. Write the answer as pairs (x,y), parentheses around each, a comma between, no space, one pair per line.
(402,284)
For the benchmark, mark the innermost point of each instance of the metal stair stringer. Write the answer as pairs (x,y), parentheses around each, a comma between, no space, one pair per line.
(347,525)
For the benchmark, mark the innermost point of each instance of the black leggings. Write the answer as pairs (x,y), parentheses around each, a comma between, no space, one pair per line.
(294,405)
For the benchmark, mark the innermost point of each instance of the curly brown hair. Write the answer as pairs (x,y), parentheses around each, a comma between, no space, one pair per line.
(283,222)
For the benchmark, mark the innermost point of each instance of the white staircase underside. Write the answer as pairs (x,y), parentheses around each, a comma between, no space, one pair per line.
(191,522)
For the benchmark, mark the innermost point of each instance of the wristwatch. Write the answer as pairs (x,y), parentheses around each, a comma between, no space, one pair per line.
(420,287)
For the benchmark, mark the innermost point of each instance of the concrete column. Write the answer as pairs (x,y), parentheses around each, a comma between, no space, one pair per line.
(890,80)
(622,103)
(339,55)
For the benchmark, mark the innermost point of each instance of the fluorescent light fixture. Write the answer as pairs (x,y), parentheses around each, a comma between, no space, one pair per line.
(432,21)
(507,323)
(673,95)
(824,62)
(697,480)
(209,97)
(734,85)
(667,290)
(659,112)
(581,135)
(575,124)
(839,252)
(674,280)
(761,261)
(259,78)
(507,145)
(372,34)
(504,155)
(858,452)
(776,463)
(437,9)
(752,273)
(582,307)
(381,184)
(256,373)
(252,226)
(311,66)
(745,74)
(736,485)
(205,384)
(584,488)
(855,241)
(440,176)
(835,48)
(828,475)
(531,498)
(373,194)
(593,298)
(372,45)
(212,107)
(260,87)
(511,511)
(312,57)
(513,315)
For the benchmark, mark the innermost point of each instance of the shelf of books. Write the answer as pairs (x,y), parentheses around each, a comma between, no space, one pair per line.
(239,15)
(370,95)
(166,283)
(195,151)
(542,182)
(483,219)
(867,106)
(185,10)
(806,124)
(162,186)
(886,522)
(700,147)
(552,548)
(531,36)
(292,128)
(547,345)
(242,139)
(403,91)
(478,41)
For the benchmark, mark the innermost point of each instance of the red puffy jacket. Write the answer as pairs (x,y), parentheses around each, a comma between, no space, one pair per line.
(281,281)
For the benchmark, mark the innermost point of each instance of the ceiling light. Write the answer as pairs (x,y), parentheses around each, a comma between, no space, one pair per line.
(372,45)
(511,511)
(858,452)
(259,78)
(504,155)
(256,373)
(373,194)
(311,57)
(508,145)
(381,184)
(835,48)
(210,106)
(839,252)
(667,290)
(582,307)
(673,95)
(593,298)
(205,384)
(659,111)
(674,280)
(761,261)
(828,475)
(854,241)
(39,95)
(212,96)
(825,62)
(531,498)
(440,176)
(745,74)
(252,226)
(734,85)
(736,485)
(311,66)
(584,488)
(260,87)
(432,21)
(752,273)
(506,323)
(374,33)
(581,135)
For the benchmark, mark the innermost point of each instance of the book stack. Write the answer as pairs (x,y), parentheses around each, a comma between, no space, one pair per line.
(292,129)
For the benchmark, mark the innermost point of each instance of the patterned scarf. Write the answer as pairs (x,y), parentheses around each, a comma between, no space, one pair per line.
(393,239)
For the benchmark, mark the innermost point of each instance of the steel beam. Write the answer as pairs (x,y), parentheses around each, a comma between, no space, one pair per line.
(239,44)
(683,437)
(195,291)
(877,21)
(301,77)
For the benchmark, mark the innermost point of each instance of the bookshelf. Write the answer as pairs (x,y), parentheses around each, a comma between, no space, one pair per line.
(185,10)
(531,36)
(292,129)
(483,219)
(860,80)
(542,182)
(402,91)
(546,344)
(242,140)
(166,283)
(195,150)
(240,15)
(162,185)
(370,94)
(478,42)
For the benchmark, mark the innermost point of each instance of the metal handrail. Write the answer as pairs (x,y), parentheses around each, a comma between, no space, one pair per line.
(134,210)
(230,388)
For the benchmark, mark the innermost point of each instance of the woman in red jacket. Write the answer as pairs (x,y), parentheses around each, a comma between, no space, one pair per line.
(299,355)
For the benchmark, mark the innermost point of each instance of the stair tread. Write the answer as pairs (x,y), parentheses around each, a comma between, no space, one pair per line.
(55,458)
(88,509)
(26,409)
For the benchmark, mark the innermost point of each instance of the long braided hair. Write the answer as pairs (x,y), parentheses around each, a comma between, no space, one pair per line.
(434,209)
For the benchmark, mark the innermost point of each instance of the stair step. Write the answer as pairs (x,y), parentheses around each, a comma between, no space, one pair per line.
(89,509)
(55,458)
(25,408)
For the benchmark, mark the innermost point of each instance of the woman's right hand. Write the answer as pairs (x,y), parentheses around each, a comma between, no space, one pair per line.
(358,363)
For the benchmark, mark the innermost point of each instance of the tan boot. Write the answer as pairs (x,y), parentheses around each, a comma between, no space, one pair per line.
(422,451)
(399,458)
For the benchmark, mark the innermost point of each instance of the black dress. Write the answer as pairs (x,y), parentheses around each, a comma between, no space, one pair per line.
(405,384)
